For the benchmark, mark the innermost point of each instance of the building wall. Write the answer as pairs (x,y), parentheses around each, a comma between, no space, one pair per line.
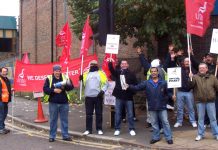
(35,32)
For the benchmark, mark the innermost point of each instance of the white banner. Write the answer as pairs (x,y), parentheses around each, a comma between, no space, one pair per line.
(174,79)
(214,42)
(112,44)
(109,99)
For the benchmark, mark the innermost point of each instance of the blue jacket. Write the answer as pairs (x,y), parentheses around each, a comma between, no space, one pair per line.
(157,93)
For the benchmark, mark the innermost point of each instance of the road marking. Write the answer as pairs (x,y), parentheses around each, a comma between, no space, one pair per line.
(18,130)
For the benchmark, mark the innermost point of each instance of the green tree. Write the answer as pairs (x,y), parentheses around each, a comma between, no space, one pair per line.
(145,20)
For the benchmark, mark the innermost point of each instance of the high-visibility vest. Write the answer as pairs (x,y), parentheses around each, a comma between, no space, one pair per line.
(46,96)
(5,93)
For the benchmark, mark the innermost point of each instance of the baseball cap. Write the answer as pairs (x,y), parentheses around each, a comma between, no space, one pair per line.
(93,62)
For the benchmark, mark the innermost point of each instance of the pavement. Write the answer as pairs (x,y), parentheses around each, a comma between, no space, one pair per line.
(25,112)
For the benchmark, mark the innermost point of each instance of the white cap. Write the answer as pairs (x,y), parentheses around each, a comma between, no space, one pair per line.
(155,63)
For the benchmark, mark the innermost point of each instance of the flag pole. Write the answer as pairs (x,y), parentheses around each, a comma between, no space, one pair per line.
(216,66)
(189,57)
(81,82)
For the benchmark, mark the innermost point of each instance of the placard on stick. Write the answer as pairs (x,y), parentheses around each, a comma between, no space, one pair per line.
(174,77)
(112,44)
(214,42)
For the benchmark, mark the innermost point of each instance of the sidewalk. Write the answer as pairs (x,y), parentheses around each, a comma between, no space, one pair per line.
(184,137)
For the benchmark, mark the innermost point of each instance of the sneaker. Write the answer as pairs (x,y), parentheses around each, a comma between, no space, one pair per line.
(135,119)
(198,138)
(194,125)
(161,131)
(132,133)
(170,141)
(100,132)
(124,120)
(4,131)
(216,137)
(170,107)
(148,125)
(176,125)
(117,132)
(86,132)
(67,139)
(51,140)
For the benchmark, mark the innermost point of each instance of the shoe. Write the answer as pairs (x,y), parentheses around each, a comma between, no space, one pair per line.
(100,132)
(176,125)
(4,131)
(161,131)
(124,120)
(170,141)
(153,141)
(194,125)
(117,132)
(198,138)
(170,107)
(51,140)
(148,125)
(86,132)
(68,139)
(135,119)
(132,133)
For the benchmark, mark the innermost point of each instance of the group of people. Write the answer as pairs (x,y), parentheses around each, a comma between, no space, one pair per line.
(198,87)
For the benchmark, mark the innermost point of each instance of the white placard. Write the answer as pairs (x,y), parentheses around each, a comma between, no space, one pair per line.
(38,94)
(109,99)
(112,44)
(214,42)
(174,79)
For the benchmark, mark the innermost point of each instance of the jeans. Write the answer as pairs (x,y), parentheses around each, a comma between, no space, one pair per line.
(128,104)
(62,110)
(162,114)
(91,104)
(3,114)
(182,99)
(124,112)
(210,108)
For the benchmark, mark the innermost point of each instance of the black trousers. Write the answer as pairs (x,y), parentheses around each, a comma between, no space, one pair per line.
(91,104)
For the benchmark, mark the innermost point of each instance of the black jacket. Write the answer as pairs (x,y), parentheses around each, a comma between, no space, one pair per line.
(130,79)
(59,98)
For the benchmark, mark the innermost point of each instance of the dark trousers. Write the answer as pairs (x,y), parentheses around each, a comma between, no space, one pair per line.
(91,104)
(3,114)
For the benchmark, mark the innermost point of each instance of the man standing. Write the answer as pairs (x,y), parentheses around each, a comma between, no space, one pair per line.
(124,96)
(184,96)
(157,96)
(55,88)
(95,82)
(204,87)
(5,98)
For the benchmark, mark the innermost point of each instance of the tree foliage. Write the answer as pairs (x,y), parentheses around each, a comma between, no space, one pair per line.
(145,20)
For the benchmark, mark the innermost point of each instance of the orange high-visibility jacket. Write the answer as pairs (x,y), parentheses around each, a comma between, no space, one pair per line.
(5,93)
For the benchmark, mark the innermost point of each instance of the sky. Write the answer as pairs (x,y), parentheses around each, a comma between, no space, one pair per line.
(9,8)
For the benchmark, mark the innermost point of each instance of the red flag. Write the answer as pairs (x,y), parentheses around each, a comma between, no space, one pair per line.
(25,59)
(63,39)
(105,63)
(198,15)
(86,41)
(65,57)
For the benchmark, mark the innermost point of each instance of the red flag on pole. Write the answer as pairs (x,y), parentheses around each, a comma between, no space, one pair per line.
(63,39)
(25,59)
(86,41)
(105,63)
(198,15)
